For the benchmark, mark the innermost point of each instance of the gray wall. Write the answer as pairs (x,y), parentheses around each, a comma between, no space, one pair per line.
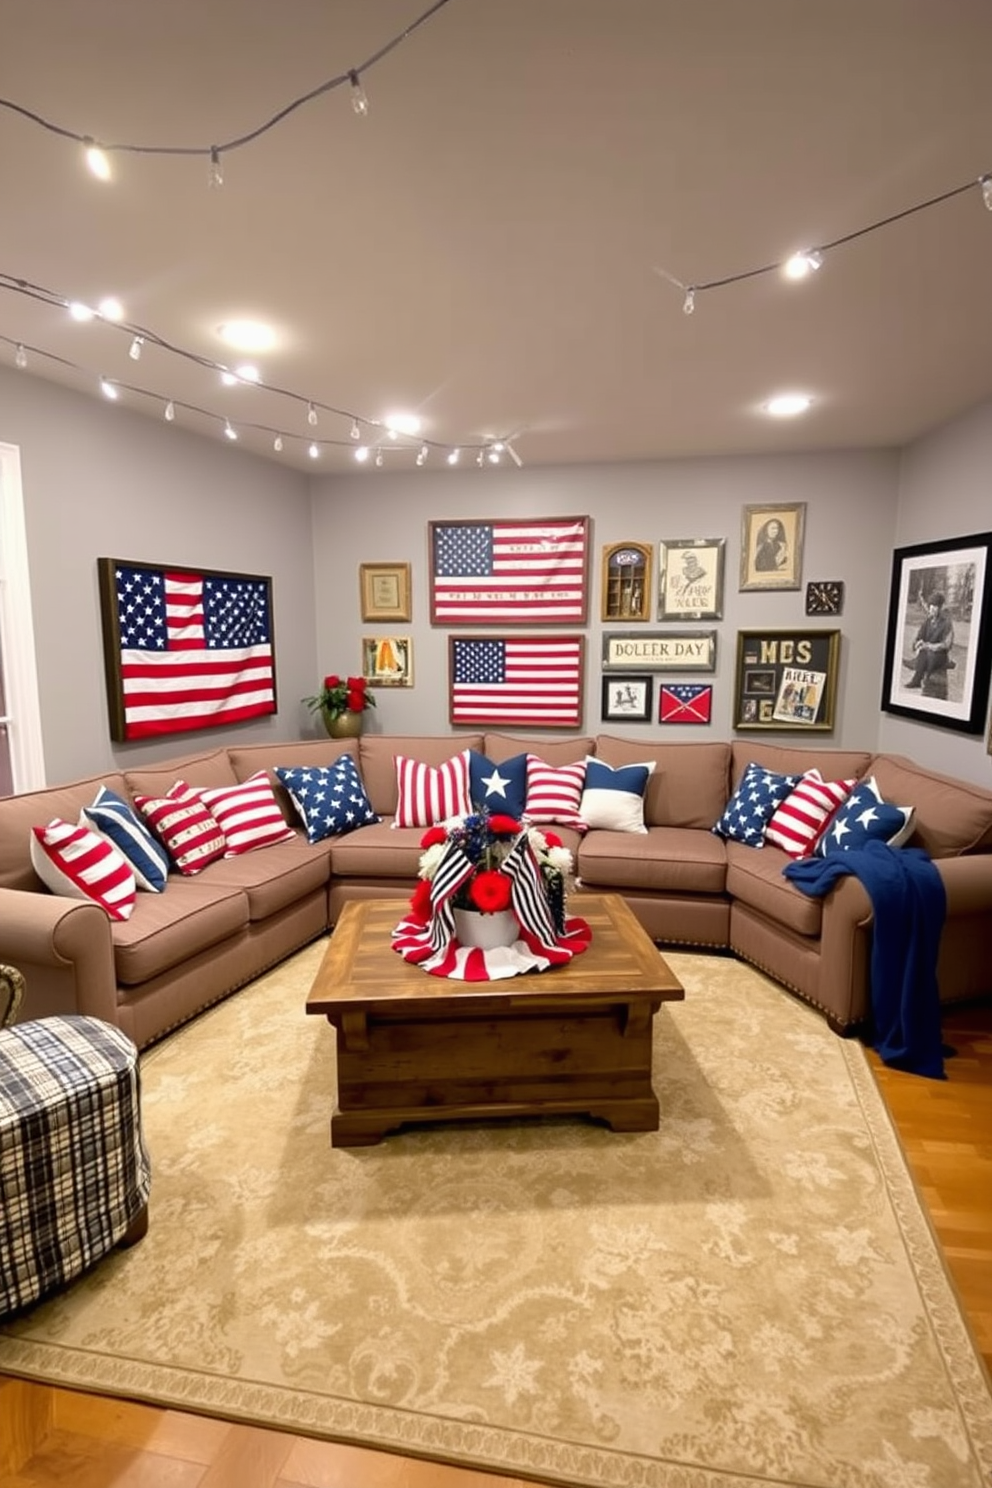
(101,481)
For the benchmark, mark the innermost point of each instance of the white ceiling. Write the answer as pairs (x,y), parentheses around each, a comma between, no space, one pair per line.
(483,248)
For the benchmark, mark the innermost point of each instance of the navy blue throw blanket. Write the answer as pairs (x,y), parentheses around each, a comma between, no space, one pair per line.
(909,905)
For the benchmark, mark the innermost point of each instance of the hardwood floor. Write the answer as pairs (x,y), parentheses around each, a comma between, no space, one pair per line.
(50,1436)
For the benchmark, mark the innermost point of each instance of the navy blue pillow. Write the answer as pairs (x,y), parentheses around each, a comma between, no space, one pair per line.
(501,787)
(753,803)
(330,799)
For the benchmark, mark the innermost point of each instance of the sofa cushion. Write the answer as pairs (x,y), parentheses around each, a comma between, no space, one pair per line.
(329,799)
(209,767)
(666,860)
(952,816)
(113,818)
(754,802)
(184,826)
(799,822)
(796,759)
(168,929)
(554,793)
(865,817)
(78,862)
(18,814)
(501,787)
(613,798)
(690,783)
(377,754)
(553,751)
(756,879)
(248,814)
(428,794)
(379,851)
(276,879)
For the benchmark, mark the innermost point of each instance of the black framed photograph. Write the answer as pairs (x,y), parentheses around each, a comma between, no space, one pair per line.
(772,546)
(690,584)
(627,699)
(938,645)
(786,680)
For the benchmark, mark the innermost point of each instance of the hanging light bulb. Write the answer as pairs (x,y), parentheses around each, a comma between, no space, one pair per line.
(689,303)
(802,264)
(229,433)
(422,456)
(311,416)
(362,453)
(314,451)
(216,176)
(379,458)
(986,184)
(96,160)
(134,351)
(20,357)
(494,456)
(356,432)
(277,444)
(359,102)
(79,311)
(170,412)
(108,390)
(110,308)
(453,456)
(480,458)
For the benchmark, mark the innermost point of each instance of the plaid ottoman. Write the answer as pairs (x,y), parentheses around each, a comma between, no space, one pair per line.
(74,1174)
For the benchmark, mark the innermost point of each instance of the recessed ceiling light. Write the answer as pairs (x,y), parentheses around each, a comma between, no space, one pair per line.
(247,335)
(788,405)
(402,423)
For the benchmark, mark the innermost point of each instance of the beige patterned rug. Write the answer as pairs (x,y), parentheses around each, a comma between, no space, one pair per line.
(749,1296)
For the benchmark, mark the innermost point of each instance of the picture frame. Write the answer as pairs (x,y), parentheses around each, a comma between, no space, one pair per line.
(772,545)
(626,699)
(786,680)
(938,642)
(385,590)
(530,681)
(690,578)
(626,582)
(659,651)
(387,660)
(509,571)
(682,703)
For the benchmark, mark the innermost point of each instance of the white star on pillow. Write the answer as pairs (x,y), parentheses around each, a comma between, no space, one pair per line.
(496,784)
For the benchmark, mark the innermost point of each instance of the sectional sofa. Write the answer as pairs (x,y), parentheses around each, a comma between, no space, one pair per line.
(208,934)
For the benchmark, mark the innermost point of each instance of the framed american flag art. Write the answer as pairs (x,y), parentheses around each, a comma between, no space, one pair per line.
(531,680)
(184,649)
(510,571)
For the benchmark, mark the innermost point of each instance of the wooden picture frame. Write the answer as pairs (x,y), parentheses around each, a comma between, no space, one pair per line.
(626,699)
(930,676)
(530,681)
(786,680)
(626,582)
(659,651)
(509,571)
(385,590)
(772,546)
(690,578)
(387,660)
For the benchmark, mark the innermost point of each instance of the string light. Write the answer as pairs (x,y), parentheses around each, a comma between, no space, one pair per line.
(20,357)
(79,311)
(108,390)
(277,444)
(986,185)
(480,458)
(96,159)
(689,303)
(170,412)
(311,416)
(802,264)
(362,453)
(229,433)
(359,102)
(134,351)
(422,455)
(454,456)
(314,451)
(215,177)
(356,432)
(379,459)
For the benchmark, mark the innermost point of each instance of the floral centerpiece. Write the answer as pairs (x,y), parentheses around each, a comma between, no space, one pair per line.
(339,695)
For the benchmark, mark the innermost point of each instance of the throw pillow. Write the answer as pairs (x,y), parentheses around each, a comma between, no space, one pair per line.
(428,796)
(501,787)
(75,861)
(865,817)
(798,824)
(330,799)
(613,799)
(185,826)
(555,794)
(248,814)
(112,817)
(751,807)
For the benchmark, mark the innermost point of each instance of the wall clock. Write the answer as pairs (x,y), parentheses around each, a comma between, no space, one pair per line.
(824,597)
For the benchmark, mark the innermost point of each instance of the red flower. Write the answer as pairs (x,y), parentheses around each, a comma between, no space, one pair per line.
(504,826)
(332,681)
(420,901)
(553,840)
(432,835)
(489,891)
(357,684)
(356,699)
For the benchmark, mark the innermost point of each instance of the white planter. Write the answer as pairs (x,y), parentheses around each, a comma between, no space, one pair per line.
(486,931)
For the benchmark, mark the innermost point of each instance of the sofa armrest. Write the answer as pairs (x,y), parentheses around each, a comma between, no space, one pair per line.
(65,949)
(968,883)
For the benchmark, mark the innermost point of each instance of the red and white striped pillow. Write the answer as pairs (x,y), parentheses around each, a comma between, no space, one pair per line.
(185,827)
(799,823)
(75,861)
(248,814)
(554,794)
(428,796)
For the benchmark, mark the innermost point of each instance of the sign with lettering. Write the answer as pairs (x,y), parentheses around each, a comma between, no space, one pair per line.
(660,651)
(786,679)
(690,585)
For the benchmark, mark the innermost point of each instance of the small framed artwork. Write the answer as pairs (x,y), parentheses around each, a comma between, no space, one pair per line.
(772,546)
(385,590)
(387,661)
(685,702)
(660,651)
(938,643)
(627,699)
(690,578)
(626,593)
(786,680)
(824,597)
(532,681)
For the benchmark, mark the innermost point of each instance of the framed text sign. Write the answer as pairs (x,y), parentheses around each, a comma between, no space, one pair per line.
(660,651)
(786,679)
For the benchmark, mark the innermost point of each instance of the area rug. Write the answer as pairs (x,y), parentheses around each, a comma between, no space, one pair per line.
(750,1296)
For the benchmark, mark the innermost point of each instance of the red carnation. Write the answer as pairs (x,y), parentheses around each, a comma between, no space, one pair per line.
(332,681)
(357,683)
(356,700)
(433,835)
(504,826)
(490,891)
(420,901)
(553,840)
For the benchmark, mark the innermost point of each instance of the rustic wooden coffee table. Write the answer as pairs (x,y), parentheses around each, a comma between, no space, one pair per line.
(413,1047)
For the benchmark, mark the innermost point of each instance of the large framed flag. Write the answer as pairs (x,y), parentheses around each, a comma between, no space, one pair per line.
(532,680)
(184,650)
(526,571)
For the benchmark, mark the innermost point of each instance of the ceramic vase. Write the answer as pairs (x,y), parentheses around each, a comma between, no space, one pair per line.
(486,931)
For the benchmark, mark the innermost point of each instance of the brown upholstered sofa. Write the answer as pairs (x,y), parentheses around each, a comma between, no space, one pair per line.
(209,934)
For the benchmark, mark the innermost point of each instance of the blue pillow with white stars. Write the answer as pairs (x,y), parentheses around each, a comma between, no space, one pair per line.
(502,787)
(330,799)
(750,808)
(865,817)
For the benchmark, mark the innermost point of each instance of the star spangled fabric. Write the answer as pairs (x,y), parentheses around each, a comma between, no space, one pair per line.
(195,649)
(520,572)
(754,802)
(527,680)
(685,702)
